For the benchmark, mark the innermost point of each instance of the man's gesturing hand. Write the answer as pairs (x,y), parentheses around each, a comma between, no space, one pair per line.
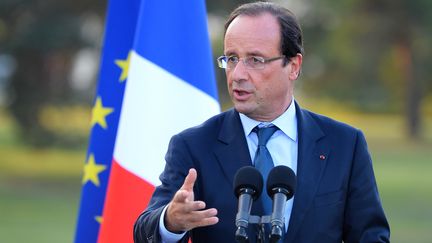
(183,213)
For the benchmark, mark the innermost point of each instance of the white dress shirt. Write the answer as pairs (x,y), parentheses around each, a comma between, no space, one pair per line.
(283,147)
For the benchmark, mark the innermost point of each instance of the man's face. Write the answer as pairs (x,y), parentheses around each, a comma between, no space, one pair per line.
(266,93)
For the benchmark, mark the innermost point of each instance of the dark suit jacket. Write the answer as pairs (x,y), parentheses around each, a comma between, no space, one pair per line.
(336,197)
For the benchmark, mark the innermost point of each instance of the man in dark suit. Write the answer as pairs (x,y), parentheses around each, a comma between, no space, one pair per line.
(336,196)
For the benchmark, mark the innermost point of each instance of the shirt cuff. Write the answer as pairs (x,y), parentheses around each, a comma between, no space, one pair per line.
(166,235)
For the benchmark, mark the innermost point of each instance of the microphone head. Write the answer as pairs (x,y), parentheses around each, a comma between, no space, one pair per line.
(281,177)
(248,177)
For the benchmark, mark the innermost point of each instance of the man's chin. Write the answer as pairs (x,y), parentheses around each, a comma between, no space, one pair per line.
(243,108)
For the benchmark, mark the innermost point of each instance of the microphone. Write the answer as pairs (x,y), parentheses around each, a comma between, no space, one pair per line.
(281,184)
(248,184)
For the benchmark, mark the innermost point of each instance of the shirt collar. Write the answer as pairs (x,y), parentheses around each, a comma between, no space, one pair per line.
(287,122)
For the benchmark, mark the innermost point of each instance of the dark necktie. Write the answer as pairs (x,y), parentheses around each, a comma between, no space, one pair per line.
(263,162)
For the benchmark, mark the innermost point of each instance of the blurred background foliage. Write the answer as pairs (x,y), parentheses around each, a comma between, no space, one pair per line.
(49,57)
(367,63)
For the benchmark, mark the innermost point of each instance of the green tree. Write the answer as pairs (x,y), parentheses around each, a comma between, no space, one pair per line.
(373,53)
(42,36)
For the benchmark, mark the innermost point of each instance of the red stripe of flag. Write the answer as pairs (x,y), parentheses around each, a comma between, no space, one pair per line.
(119,215)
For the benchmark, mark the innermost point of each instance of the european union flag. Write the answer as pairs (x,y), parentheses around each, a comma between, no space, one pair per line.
(120,28)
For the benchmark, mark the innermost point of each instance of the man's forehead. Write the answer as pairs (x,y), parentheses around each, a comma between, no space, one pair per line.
(253,33)
(261,21)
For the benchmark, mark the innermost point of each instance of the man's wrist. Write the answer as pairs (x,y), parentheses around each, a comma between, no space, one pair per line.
(167,225)
(166,235)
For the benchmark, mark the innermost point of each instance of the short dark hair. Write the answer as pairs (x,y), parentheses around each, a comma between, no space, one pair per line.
(291,34)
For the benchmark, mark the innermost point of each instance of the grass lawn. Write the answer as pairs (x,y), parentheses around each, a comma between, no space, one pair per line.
(39,194)
(405,184)
(40,189)
(38,211)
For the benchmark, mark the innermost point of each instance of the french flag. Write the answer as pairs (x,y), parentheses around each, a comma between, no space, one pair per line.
(170,87)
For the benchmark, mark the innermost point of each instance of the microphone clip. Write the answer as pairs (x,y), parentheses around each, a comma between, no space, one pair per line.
(276,230)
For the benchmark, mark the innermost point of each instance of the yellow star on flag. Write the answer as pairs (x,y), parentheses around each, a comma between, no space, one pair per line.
(99,113)
(99,219)
(124,65)
(92,170)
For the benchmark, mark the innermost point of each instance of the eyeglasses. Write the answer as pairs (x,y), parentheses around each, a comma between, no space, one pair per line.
(250,62)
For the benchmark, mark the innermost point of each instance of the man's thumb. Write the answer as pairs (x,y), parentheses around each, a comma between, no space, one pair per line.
(189,181)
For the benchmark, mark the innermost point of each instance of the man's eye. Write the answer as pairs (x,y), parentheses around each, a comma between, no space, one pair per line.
(232,59)
(256,60)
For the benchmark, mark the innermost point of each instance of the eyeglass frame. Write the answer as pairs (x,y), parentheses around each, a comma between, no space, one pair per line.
(262,61)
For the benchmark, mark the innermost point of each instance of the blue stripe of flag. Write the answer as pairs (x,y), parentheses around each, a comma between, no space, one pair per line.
(175,37)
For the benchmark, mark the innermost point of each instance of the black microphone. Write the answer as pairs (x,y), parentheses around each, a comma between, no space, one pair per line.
(248,184)
(281,184)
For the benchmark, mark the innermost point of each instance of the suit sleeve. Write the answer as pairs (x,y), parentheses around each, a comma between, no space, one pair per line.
(178,163)
(365,220)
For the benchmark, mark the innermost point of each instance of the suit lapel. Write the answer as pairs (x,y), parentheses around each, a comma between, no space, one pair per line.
(313,152)
(231,150)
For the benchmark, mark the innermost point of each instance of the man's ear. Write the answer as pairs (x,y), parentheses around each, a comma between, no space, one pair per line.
(296,63)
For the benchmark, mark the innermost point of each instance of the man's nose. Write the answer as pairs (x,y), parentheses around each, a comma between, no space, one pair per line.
(240,71)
